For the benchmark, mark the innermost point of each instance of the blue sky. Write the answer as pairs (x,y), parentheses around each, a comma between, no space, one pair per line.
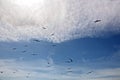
(89,55)
(59,40)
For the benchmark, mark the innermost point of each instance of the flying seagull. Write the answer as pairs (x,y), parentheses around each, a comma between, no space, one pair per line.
(69,61)
(36,40)
(69,68)
(14,48)
(26,46)
(44,27)
(34,54)
(14,72)
(1,72)
(52,34)
(53,45)
(90,72)
(24,51)
(69,71)
(48,62)
(97,21)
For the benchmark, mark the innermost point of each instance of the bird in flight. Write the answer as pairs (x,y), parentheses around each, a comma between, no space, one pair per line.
(97,21)
(14,48)
(36,40)
(53,45)
(14,72)
(34,54)
(52,34)
(44,27)
(1,72)
(69,71)
(69,68)
(90,72)
(69,61)
(26,46)
(24,51)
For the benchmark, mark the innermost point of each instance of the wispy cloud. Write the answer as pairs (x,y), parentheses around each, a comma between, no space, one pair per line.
(62,19)
(30,70)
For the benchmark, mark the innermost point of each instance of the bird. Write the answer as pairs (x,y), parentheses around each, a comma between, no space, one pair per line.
(48,66)
(34,54)
(48,62)
(26,46)
(69,61)
(44,27)
(69,71)
(27,76)
(24,51)
(69,68)
(52,34)
(14,72)
(1,72)
(53,45)
(14,48)
(97,21)
(90,72)
(36,40)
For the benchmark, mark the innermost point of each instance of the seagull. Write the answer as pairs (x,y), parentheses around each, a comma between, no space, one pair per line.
(14,48)
(69,71)
(48,62)
(44,27)
(27,76)
(1,72)
(97,21)
(90,72)
(34,54)
(52,34)
(53,45)
(14,72)
(36,40)
(24,51)
(69,68)
(26,46)
(70,60)
(48,66)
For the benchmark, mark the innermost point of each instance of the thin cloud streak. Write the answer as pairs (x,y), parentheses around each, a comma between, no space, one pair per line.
(22,70)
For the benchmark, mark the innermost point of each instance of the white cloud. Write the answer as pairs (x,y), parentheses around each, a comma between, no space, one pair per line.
(66,19)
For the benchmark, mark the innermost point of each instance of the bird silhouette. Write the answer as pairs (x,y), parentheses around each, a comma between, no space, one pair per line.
(69,61)
(14,72)
(26,46)
(97,21)
(52,34)
(90,72)
(36,40)
(1,72)
(34,54)
(69,68)
(69,71)
(53,45)
(44,27)
(14,48)
(24,51)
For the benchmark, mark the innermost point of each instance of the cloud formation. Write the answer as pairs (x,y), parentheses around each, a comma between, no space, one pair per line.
(13,69)
(58,20)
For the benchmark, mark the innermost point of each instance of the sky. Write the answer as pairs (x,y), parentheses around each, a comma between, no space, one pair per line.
(59,40)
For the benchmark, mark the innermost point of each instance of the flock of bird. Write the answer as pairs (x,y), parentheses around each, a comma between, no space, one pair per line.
(69,61)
